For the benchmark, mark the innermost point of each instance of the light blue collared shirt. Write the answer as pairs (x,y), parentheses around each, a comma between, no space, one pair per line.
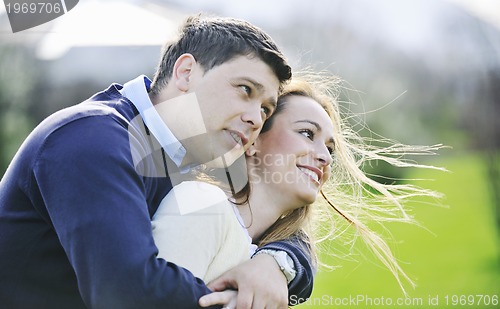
(136,91)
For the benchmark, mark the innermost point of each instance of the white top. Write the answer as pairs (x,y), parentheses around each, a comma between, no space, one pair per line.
(196,227)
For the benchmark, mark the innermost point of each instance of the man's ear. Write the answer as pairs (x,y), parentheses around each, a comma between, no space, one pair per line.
(183,68)
(251,150)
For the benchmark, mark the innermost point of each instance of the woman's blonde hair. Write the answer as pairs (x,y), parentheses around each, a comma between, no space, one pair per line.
(349,196)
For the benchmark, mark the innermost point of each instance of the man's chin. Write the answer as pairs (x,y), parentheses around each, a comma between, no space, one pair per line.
(226,159)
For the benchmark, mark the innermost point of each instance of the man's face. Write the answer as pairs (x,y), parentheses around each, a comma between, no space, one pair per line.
(234,98)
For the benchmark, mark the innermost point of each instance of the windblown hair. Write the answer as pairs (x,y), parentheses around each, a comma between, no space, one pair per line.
(349,198)
(215,40)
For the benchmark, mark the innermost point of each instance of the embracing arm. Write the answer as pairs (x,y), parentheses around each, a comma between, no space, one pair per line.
(301,286)
(260,282)
(96,203)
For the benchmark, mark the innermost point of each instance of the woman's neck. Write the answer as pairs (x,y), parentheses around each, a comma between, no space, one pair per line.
(261,210)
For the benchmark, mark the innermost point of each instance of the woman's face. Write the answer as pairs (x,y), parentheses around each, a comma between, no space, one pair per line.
(294,156)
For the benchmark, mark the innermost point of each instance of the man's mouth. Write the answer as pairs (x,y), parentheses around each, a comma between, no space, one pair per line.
(238,137)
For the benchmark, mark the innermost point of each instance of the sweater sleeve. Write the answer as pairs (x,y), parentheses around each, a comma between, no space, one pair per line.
(301,287)
(96,203)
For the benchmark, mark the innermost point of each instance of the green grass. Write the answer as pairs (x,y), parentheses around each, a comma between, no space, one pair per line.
(456,254)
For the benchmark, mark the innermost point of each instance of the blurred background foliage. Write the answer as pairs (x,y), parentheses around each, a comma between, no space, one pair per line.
(417,71)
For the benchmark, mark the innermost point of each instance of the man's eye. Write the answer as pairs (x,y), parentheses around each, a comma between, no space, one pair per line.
(266,112)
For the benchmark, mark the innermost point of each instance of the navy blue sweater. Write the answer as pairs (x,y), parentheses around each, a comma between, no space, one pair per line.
(75,215)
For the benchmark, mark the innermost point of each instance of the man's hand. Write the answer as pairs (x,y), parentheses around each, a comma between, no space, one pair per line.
(226,298)
(259,281)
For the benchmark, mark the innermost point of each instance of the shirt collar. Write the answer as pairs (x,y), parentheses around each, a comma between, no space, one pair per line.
(136,91)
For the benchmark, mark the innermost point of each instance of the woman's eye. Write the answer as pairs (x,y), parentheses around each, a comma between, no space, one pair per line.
(330,150)
(246,89)
(307,133)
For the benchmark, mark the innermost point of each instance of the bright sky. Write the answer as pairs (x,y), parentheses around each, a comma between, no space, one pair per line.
(485,9)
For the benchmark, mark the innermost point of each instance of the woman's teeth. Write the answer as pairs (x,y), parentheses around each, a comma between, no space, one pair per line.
(310,173)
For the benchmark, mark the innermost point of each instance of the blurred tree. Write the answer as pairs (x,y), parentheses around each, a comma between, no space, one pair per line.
(431,72)
(17,84)
(481,120)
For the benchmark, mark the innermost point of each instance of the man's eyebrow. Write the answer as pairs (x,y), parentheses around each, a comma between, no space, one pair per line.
(255,83)
(271,100)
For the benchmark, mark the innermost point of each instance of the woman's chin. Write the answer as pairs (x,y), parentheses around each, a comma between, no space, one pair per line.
(309,197)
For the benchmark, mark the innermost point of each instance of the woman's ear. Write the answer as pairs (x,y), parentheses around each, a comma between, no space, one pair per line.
(183,69)
(250,152)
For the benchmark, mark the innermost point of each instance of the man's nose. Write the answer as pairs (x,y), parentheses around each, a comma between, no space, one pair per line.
(253,117)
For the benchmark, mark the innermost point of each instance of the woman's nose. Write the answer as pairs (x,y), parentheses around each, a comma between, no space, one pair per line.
(323,156)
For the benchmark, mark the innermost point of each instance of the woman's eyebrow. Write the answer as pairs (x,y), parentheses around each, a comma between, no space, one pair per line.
(318,127)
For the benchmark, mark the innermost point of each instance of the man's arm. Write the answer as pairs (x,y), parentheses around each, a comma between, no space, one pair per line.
(302,285)
(96,203)
(260,280)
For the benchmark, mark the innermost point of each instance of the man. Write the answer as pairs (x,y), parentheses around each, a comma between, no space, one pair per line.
(77,199)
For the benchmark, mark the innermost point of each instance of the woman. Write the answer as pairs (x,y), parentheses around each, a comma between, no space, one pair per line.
(305,149)
(287,167)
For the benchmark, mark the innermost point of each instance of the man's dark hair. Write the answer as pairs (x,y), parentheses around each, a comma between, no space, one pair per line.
(215,40)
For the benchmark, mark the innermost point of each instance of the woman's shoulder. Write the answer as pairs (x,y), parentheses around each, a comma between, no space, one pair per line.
(195,197)
(198,196)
